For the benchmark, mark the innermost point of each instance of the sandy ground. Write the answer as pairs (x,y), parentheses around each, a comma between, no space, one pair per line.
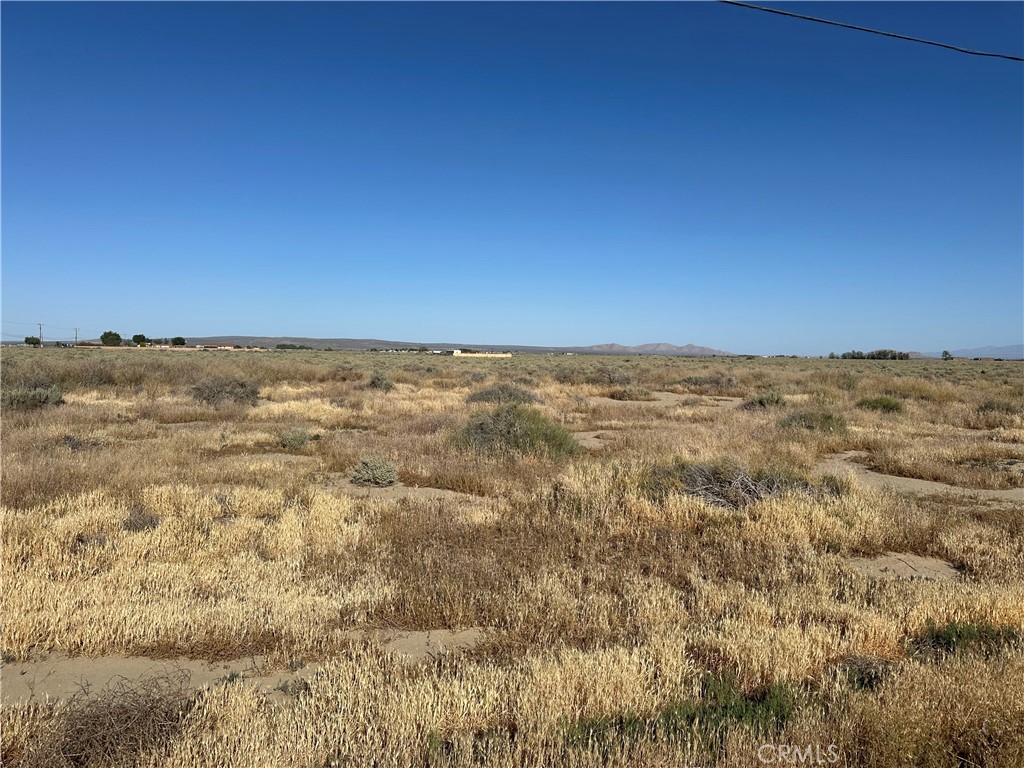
(337,481)
(896,565)
(594,441)
(668,399)
(59,677)
(843,464)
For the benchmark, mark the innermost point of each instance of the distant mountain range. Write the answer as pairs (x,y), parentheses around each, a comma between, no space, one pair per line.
(1011,352)
(688,350)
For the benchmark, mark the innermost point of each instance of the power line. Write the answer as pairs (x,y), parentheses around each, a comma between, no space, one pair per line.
(956,48)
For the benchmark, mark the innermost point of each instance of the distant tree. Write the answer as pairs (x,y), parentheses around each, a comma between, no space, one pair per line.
(32,341)
(110,339)
(832,355)
(178,341)
(140,339)
(946,355)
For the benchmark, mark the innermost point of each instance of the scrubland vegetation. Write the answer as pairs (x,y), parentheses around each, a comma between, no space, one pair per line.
(682,596)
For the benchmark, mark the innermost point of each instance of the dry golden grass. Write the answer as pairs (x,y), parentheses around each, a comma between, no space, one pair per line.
(137,521)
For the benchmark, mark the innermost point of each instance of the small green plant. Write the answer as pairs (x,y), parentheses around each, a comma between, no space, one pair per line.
(883,404)
(293,687)
(380,381)
(216,391)
(30,398)
(516,430)
(376,472)
(865,673)
(720,707)
(631,393)
(765,400)
(295,439)
(816,421)
(502,394)
(937,641)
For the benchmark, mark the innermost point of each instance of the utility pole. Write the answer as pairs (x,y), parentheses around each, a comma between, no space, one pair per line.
(76,337)
(40,335)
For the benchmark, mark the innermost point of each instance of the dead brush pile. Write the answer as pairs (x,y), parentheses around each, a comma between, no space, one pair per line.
(721,484)
(116,726)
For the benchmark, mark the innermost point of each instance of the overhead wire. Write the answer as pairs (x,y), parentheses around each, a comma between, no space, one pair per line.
(858,28)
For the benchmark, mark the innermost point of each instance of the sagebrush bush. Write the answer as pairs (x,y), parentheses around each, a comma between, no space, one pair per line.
(817,421)
(516,430)
(295,439)
(217,391)
(502,394)
(380,381)
(28,398)
(376,472)
(883,403)
(631,393)
(765,400)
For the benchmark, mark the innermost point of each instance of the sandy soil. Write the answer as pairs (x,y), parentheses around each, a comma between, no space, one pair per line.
(896,565)
(58,677)
(338,481)
(843,464)
(595,441)
(669,399)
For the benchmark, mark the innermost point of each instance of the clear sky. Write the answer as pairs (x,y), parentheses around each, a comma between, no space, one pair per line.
(531,173)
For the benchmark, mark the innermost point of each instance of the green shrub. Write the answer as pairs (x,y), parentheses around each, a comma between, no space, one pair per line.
(516,430)
(818,421)
(502,394)
(765,400)
(865,673)
(721,707)
(380,381)
(376,472)
(216,391)
(29,398)
(883,403)
(631,393)
(295,439)
(955,637)
(722,484)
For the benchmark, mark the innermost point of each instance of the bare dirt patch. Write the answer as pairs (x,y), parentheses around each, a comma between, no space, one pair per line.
(897,565)
(593,441)
(339,481)
(59,677)
(671,399)
(844,464)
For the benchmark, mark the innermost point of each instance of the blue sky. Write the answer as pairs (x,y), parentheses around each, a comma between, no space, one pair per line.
(533,173)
